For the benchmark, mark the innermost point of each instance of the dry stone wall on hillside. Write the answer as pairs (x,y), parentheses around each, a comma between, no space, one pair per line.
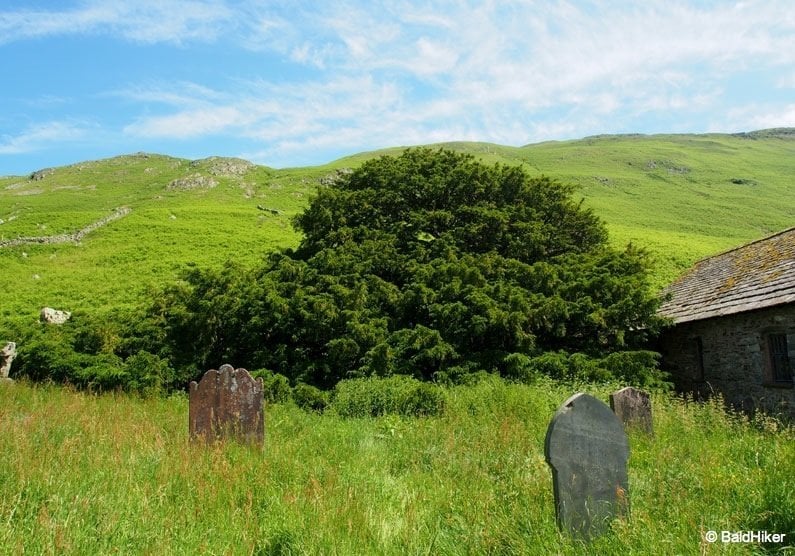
(68,237)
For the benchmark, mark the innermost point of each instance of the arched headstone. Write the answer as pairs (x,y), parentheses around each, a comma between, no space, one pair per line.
(633,408)
(227,403)
(587,449)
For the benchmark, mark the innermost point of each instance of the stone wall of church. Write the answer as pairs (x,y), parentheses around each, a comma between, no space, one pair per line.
(730,355)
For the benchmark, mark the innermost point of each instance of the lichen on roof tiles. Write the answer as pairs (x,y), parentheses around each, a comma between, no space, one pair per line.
(753,276)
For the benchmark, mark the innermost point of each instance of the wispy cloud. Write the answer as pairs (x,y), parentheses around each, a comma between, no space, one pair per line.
(267,111)
(180,94)
(145,21)
(787,81)
(352,75)
(492,70)
(41,136)
(761,116)
(190,123)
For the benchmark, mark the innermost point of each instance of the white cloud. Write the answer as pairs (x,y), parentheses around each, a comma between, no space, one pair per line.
(42,136)
(357,75)
(509,72)
(189,123)
(182,94)
(497,70)
(145,21)
(309,55)
(757,116)
(266,111)
(45,101)
(433,57)
(786,82)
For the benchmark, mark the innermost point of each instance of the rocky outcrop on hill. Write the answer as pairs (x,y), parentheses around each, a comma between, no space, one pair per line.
(68,237)
(195,181)
(772,133)
(671,167)
(225,167)
(330,179)
(41,174)
(54,316)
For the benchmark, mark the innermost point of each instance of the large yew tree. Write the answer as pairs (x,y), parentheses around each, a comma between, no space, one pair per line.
(430,264)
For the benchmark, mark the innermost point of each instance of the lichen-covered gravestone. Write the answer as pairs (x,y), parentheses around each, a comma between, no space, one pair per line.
(227,403)
(587,449)
(633,408)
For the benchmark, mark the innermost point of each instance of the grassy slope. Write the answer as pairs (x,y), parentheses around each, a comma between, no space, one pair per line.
(166,230)
(677,195)
(673,194)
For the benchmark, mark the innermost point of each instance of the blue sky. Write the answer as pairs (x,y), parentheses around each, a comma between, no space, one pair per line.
(291,83)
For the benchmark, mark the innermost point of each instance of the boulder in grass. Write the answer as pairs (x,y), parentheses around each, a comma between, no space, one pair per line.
(7,355)
(54,316)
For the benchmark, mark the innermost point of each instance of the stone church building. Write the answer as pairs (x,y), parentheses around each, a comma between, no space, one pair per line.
(734,326)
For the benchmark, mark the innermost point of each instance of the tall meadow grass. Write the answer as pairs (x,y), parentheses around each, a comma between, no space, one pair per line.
(111,473)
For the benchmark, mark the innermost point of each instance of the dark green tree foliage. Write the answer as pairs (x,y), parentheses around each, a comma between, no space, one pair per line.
(429,264)
(99,353)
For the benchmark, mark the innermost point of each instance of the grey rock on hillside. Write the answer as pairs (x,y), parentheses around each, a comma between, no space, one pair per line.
(7,355)
(54,316)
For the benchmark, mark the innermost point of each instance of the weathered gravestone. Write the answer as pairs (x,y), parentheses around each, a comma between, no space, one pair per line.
(587,449)
(227,403)
(633,408)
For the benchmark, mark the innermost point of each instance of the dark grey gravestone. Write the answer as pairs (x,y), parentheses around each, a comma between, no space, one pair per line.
(633,408)
(227,403)
(587,449)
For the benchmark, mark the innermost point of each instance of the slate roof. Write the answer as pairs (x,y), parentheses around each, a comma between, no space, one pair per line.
(756,275)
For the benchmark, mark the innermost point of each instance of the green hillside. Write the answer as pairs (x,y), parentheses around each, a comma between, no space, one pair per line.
(681,196)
